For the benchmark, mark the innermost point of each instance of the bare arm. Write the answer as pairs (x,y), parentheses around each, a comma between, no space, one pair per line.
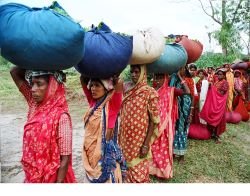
(63,169)
(18,75)
(118,84)
(185,86)
(145,147)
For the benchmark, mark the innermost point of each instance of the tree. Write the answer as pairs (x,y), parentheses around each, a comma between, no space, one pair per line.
(244,25)
(228,14)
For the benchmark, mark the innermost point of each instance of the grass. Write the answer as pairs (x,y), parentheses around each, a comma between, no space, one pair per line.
(206,162)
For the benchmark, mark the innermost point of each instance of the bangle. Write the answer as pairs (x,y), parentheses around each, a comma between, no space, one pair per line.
(183,81)
(144,146)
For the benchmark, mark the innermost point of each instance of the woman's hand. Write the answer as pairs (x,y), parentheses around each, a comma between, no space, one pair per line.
(144,151)
(84,79)
(109,134)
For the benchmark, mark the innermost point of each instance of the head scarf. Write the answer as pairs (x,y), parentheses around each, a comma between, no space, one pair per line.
(58,75)
(40,130)
(107,83)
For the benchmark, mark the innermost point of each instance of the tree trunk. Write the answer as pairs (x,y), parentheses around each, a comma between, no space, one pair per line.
(223,20)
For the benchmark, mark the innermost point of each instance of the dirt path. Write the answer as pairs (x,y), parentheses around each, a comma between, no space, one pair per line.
(11,133)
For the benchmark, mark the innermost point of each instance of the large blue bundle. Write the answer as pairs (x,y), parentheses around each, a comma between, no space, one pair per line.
(173,57)
(39,38)
(106,53)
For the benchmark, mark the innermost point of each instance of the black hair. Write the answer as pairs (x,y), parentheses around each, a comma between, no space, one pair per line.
(136,66)
(224,73)
(97,80)
(192,66)
(45,77)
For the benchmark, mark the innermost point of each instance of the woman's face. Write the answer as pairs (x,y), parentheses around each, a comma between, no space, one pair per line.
(192,71)
(220,75)
(39,86)
(201,75)
(159,80)
(182,71)
(135,74)
(236,74)
(97,90)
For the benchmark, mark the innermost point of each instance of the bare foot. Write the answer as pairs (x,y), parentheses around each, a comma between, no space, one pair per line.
(181,160)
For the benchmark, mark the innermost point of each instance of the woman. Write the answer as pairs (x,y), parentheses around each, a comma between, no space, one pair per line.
(162,148)
(102,158)
(214,109)
(238,87)
(184,111)
(138,128)
(202,87)
(47,139)
(230,79)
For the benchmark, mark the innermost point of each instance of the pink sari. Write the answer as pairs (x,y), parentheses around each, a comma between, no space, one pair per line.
(41,154)
(162,148)
(214,109)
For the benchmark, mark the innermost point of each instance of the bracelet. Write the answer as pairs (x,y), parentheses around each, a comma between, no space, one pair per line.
(144,146)
(192,107)
(183,81)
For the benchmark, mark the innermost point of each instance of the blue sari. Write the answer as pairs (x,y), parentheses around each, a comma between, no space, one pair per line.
(182,123)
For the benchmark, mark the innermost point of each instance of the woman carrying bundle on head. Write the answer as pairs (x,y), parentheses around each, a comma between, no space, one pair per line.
(162,148)
(139,124)
(47,139)
(102,158)
(185,107)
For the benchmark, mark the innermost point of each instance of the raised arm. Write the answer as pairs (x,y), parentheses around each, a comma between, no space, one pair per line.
(18,75)
(84,82)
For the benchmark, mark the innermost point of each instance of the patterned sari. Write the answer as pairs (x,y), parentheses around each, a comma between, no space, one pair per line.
(182,123)
(162,148)
(139,105)
(100,168)
(41,154)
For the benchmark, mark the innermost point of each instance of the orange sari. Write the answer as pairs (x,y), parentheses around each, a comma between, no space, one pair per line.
(230,80)
(92,146)
(139,105)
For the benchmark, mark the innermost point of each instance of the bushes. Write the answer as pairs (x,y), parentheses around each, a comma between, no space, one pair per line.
(214,59)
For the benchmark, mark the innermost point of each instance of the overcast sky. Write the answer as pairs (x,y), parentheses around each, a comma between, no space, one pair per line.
(170,16)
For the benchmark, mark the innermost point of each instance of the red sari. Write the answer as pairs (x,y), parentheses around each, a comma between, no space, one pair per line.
(41,154)
(214,109)
(162,148)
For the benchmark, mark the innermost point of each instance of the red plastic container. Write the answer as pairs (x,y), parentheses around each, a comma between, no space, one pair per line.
(194,48)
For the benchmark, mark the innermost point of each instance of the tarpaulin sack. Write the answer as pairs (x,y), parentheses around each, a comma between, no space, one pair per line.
(194,48)
(39,38)
(240,65)
(148,45)
(248,107)
(199,131)
(106,53)
(241,109)
(228,117)
(173,57)
(235,118)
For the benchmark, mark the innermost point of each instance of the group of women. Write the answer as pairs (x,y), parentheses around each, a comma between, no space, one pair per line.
(131,130)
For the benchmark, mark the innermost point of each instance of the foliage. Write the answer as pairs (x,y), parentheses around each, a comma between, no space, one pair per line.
(231,16)
(228,37)
(215,59)
(4,64)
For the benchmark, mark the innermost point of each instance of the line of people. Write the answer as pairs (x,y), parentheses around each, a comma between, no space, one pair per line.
(131,130)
